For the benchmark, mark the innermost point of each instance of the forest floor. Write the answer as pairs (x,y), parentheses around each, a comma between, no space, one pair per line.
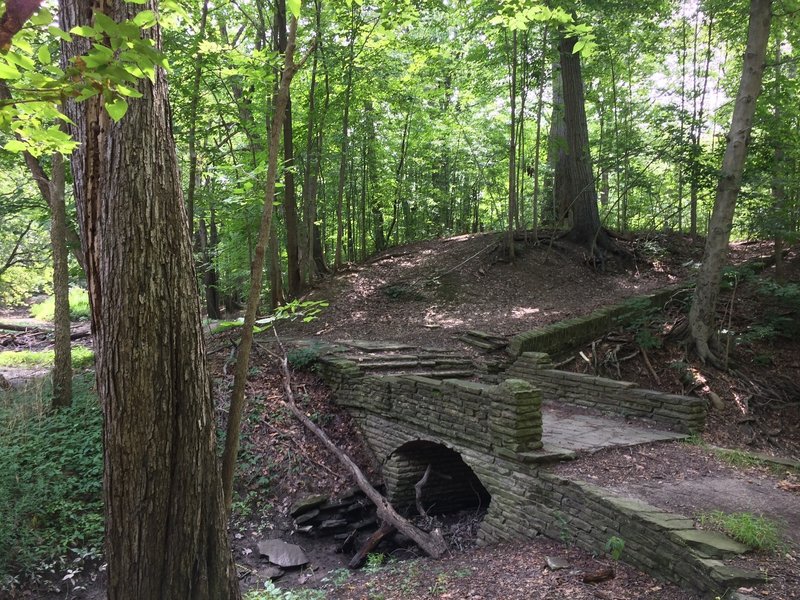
(429,294)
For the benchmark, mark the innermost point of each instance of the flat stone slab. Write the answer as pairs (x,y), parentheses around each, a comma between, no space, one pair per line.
(369,346)
(307,504)
(590,433)
(282,554)
(711,543)
(555,563)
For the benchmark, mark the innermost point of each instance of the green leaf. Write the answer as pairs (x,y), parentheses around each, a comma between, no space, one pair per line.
(59,33)
(293,6)
(44,55)
(8,71)
(84,31)
(117,108)
(106,24)
(125,91)
(136,1)
(43,17)
(144,19)
(15,146)
(578,46)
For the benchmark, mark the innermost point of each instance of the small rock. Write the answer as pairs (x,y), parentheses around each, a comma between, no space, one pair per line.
(282,554)
(270,572)
(716,401)
(554,563)
(306,517)
(306,504)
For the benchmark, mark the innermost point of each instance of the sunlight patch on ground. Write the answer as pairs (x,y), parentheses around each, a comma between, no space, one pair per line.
(433,318)
(520,312)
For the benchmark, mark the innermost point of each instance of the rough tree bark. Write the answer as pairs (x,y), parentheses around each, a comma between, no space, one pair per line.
(702,328)
(579,180)
(165,521)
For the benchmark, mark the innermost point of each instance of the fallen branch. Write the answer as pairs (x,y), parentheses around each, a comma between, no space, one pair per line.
(358,559)
(431,543)
(418,491)
(649,366)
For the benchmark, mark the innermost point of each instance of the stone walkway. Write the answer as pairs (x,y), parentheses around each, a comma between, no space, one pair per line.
(590,433)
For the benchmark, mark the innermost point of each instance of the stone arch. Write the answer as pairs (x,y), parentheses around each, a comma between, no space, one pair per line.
(452,485)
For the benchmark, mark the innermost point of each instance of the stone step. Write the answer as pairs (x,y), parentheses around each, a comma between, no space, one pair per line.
(711,544)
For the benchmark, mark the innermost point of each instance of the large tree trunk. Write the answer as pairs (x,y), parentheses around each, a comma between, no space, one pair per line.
(703,311)
(579,181)
(165,523)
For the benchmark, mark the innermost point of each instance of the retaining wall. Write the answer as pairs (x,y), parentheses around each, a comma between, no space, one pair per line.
(682,413)
(570,333)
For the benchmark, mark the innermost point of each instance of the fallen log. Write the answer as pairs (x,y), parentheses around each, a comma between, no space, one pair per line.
(433,543)
(372,542)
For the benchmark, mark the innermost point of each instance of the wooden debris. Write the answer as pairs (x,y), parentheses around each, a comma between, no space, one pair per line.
(432,543)
(601,574)
(386,529)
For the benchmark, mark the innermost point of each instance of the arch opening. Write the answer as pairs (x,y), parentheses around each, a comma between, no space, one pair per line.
(451,486)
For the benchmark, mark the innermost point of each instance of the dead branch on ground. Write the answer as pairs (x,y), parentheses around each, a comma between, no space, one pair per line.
(432,543)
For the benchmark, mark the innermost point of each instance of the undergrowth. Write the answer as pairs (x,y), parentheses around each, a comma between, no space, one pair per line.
(51,467)
(78,306)
(82,357)
(757,532)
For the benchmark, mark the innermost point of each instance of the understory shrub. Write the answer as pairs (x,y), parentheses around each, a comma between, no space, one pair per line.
(51,467)
(78,306)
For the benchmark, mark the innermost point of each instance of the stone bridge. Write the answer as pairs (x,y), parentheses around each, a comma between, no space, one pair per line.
(489,445)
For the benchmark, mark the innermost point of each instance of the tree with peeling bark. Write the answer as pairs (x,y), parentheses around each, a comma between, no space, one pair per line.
(165,523)
(702,315)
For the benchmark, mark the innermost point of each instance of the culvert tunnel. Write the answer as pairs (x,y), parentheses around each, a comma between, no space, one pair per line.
(451,486)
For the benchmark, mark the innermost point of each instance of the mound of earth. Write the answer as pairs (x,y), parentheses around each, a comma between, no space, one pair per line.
(430,292)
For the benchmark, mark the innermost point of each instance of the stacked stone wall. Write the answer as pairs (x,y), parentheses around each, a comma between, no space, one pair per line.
(571,333)
(683,413)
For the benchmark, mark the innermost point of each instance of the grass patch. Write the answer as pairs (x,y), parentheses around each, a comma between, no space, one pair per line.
(739,458)
(78,306)
(757,532)
(82,357)
(51,479)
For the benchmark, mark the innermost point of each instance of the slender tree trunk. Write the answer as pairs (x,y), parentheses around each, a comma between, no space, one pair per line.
(343,150)
(165,522)
(702,315)
(557,153)
(512,151)
(294,280)
(257,271)
(697,134)
(193,104)
(52,189)
(778,189)
(62,366)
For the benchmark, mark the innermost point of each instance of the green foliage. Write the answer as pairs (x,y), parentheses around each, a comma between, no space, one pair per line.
(757,532)
(79,309)
(614,547)
(273,592)
(641,318)
(82,357)
(51,467)
(375,560)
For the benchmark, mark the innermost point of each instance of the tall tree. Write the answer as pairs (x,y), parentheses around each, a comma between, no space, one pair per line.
(165,522)
(579,179)
(702,326)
